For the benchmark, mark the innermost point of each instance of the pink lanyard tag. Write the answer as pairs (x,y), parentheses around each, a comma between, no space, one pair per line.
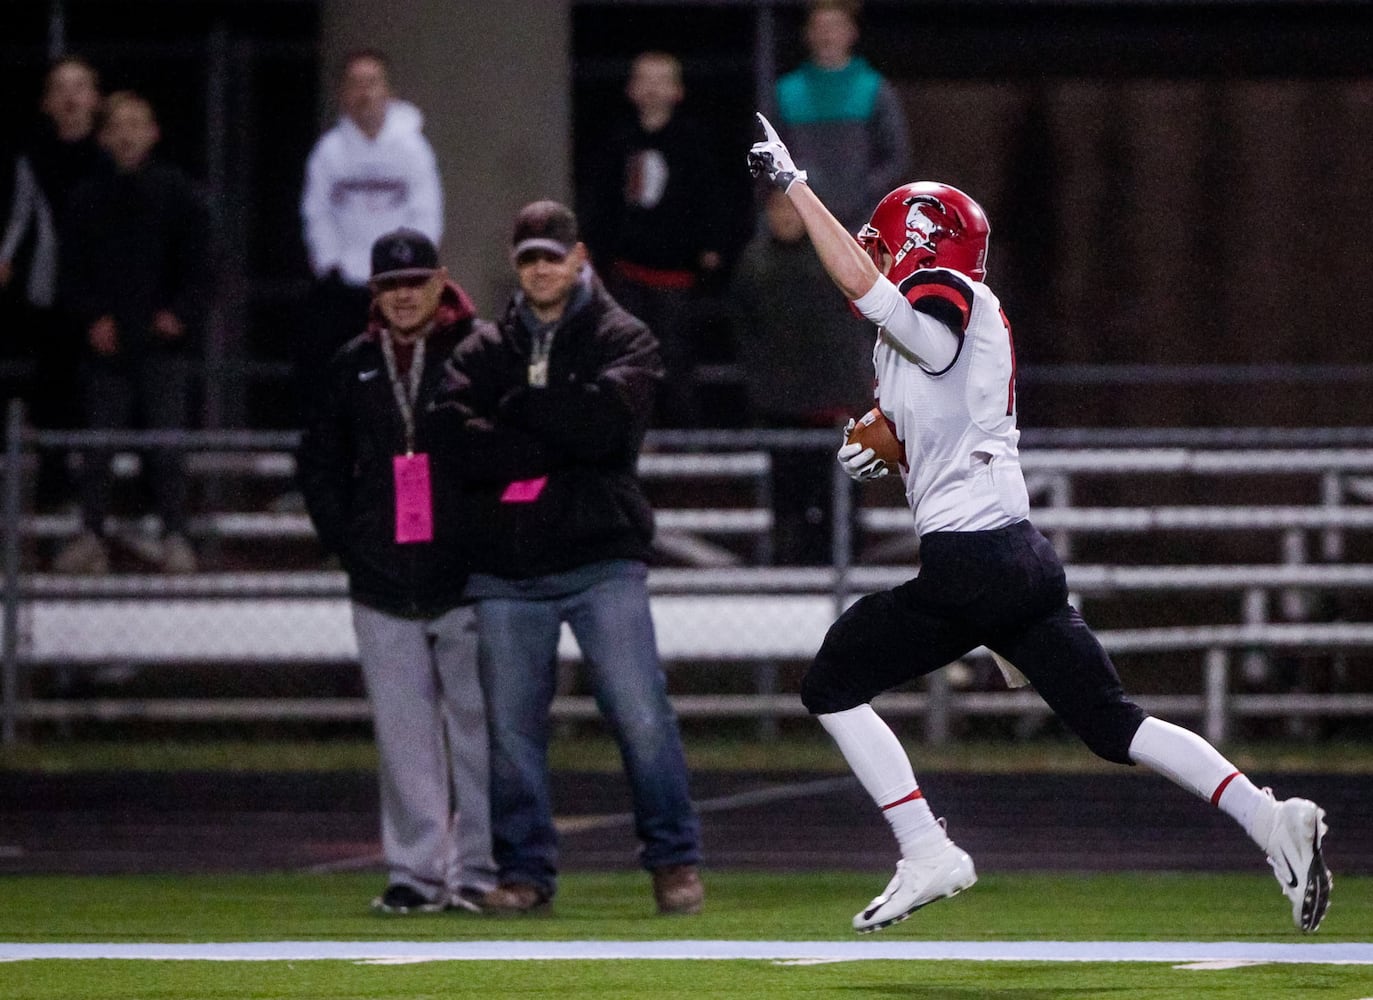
(414,502)
(524,490)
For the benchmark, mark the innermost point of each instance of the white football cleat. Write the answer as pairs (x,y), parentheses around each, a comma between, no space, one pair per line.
(1294,851)
(918,882)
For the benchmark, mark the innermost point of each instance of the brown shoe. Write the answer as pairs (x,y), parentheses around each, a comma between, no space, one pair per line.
(677,889)
(513,898)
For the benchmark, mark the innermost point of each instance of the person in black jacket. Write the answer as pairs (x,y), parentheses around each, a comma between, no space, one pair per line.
(136,276)
(555,400)
(379,476)
(63,152)
(652,222)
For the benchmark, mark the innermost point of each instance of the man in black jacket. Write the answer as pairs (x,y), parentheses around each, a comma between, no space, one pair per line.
(379,477)
(62,153)
(555,400)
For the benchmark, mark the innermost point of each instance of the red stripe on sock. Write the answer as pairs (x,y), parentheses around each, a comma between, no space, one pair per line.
(917,794)
(1220,789)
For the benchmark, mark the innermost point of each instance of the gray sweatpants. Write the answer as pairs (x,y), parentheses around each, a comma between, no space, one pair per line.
(430,727)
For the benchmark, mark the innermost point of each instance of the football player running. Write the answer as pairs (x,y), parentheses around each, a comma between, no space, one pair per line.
(945,367)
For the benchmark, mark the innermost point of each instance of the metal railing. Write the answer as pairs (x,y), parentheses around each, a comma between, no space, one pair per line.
(758,615)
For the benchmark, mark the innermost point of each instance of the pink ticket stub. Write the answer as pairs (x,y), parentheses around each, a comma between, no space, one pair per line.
(414,501)
(524,490)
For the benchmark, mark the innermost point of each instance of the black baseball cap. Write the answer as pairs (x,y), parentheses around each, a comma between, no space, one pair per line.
(404,253)
(544,225)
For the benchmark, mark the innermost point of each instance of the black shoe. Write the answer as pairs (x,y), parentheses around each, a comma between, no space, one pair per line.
(469,899)
(401,899)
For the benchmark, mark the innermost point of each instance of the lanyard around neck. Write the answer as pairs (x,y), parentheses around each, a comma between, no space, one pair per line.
(407,393)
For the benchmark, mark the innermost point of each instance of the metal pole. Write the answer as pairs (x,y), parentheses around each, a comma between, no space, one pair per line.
(216,150)
(1217,722)
(1254,662)
(1296,604)
(841,538)
(765,674)
(939,709)
(13,533)
(57,30)
(764,73)
(1332,495)
(764,56)
(227,254)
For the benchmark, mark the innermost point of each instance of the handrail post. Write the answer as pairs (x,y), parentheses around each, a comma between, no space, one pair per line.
(1295,604)
(1254,663)
(1332,495)
(1061,495)
(939,708)
(841,538)
(13,538)
(1217,722)
(766,674)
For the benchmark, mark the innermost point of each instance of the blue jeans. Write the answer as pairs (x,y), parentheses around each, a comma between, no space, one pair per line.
(518,663)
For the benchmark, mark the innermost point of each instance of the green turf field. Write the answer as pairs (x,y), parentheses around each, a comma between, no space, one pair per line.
(810,910)
(670,980)
(749,907)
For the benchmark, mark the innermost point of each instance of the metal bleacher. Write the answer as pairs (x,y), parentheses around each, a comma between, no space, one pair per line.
(717,600)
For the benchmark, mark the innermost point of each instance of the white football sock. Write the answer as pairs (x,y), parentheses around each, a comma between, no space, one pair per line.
(1186,759)
(880,763)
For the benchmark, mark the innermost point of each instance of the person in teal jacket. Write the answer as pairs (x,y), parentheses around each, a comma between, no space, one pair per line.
(842,118)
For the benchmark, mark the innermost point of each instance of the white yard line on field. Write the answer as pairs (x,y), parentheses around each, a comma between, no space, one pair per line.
(403,952)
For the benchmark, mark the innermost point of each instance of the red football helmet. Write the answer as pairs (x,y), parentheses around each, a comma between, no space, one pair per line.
(928,224)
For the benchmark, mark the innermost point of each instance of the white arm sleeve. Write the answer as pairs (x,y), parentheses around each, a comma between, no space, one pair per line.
(931,342)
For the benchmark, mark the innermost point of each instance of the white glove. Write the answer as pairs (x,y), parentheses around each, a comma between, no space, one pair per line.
(770,158)
(861,464)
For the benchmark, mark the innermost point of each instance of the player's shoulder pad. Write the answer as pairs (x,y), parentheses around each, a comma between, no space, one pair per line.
(942,293)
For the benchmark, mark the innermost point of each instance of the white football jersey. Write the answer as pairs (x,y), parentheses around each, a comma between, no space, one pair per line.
(957,425)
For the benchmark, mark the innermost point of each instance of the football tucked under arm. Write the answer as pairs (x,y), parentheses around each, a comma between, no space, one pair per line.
(870,448)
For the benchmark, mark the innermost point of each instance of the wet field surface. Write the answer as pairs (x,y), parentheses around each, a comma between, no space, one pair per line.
(110,823)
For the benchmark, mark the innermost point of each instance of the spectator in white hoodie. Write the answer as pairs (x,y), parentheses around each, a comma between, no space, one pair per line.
(371,173)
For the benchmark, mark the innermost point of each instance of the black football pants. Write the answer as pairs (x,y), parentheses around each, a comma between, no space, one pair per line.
(1003,589)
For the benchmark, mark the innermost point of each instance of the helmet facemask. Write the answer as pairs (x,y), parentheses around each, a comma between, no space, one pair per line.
(871,241)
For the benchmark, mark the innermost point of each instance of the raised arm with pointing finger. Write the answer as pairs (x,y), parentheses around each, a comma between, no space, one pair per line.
(846,263)
(844,260)
(857,276)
